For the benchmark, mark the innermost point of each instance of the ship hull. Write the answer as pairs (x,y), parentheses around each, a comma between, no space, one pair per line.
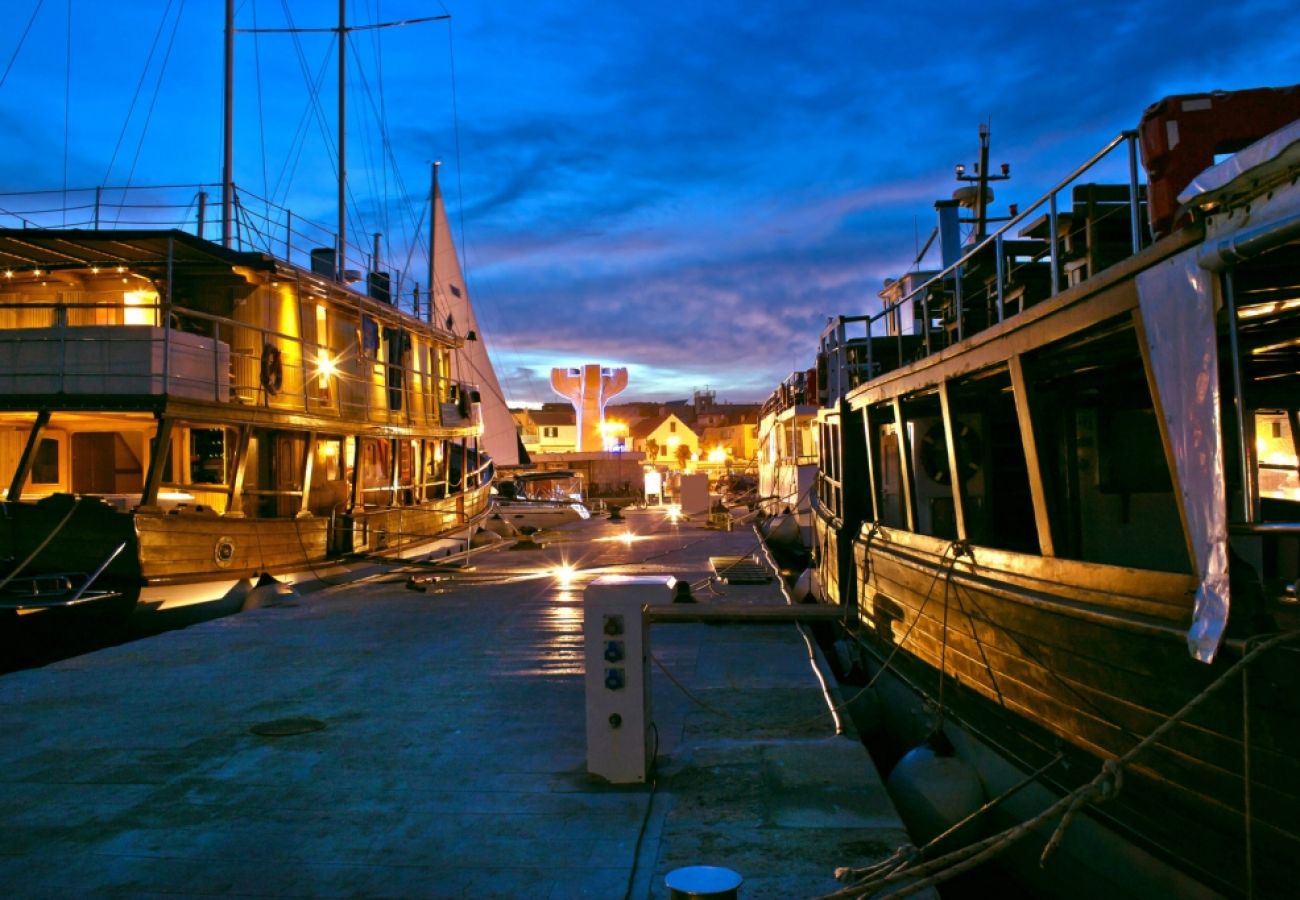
(190,559)
(1044,656)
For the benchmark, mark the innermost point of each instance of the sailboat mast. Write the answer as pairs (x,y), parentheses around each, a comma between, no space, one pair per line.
(341,264)
(433,237)
(228,130)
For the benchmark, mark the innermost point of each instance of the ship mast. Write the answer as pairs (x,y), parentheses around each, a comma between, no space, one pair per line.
(340,265)
(228,164)
(228,130)
(433,238)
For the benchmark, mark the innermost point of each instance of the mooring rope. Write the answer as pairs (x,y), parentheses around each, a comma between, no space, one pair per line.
(1104,786)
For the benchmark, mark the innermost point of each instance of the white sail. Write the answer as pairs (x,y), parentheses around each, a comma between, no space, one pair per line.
(470,363)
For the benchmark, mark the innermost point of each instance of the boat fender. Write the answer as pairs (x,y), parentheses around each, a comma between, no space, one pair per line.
(501,526)
(485,538)
(268,592)
(783,530)
(933,790)
(803,587)
(272,369)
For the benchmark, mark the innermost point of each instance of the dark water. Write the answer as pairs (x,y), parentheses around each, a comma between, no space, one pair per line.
(38,639)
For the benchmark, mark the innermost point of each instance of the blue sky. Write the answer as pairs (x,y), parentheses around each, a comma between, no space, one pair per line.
(687,190)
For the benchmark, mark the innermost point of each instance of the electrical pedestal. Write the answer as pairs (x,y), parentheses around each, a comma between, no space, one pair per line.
(617,652)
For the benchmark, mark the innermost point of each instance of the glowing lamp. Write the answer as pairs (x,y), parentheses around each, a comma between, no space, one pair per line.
(326,368)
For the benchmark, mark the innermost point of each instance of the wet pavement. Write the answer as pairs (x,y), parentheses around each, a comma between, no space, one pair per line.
(428,740)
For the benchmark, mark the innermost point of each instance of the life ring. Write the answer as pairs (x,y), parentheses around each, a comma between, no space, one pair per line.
(272,369)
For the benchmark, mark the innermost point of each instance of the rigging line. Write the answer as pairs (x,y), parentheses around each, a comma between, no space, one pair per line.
(261,110)
(460,202)
(290,166)
(157,88)
(67,109)
(383,114)
(391,158)
(349,29)
(411,245)
(144,73)
(313,95)
(21,40)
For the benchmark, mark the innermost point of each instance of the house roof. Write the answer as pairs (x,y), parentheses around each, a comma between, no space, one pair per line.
(547,417)
(646,427)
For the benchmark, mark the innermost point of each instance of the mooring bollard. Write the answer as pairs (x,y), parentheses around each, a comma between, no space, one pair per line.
(703,883)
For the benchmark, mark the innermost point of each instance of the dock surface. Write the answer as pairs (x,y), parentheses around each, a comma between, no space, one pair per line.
(376,740)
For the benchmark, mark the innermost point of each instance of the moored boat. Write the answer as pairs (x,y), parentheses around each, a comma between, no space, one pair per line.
(181,417)
(541,499)
(1057,497)
(787,460)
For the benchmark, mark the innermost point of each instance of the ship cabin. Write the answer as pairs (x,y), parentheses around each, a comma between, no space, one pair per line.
(160,371)
(1043,394)
(787,445)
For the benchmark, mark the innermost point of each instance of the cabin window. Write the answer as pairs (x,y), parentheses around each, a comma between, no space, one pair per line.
(376,472)
(991,471)
(829,486)
(444,374)
(435,470)
(199,456)
(883,434)
(1279,469)
(397,345)
(104,462)
(406,450)
(45,463)
(209,462)
(329,486)
(934,509)
(369,337)
(1105,475)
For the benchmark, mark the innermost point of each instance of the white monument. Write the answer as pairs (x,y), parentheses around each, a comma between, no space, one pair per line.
(589,389)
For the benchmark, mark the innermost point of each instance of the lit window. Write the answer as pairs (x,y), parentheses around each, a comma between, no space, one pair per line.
(45,465)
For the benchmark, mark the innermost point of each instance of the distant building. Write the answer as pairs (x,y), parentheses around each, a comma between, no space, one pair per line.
(660,438)
(738,440)
(547,431)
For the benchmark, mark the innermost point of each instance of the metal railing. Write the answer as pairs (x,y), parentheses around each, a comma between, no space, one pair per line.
(259,225)
(64,347)
(845,371)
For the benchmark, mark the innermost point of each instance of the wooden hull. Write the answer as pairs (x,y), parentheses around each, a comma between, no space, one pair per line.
(1041,655)
(188,557)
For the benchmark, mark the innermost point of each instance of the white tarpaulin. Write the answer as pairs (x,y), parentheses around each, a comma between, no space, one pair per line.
(1176,300)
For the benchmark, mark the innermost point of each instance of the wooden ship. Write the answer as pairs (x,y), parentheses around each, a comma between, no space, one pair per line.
(182,417)
(178,418)
(1058,498)
(787,460)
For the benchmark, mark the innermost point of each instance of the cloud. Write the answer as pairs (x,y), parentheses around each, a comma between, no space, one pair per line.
(689,190)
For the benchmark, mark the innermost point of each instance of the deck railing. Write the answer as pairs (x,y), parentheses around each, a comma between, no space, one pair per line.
(112,348)
(1002,255)
(259,225)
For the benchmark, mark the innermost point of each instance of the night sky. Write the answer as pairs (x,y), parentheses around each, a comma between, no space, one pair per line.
(688,190)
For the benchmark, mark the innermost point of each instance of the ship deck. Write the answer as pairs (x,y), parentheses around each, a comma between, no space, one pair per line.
(449,752)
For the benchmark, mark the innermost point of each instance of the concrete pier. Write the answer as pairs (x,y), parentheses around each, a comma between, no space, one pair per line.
(377,740)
